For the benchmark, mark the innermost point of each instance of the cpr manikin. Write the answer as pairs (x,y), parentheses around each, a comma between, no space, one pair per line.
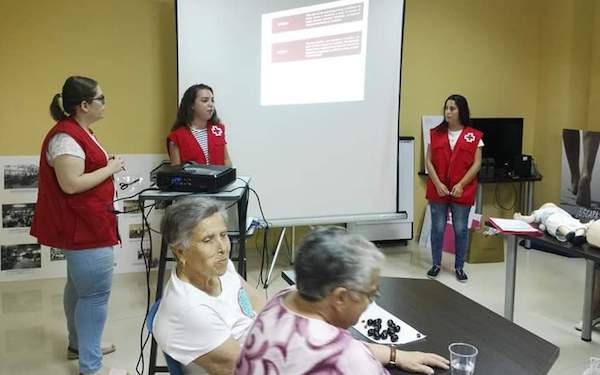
(557,222)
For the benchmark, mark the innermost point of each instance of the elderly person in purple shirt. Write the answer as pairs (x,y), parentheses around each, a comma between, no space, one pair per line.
(304,330)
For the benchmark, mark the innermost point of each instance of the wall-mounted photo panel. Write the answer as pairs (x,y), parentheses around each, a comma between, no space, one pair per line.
(17,215)
(145,253)
(136,230)
(131,207)
(22,256)
(23,259)
(146,257)
(56,254)
(20,176)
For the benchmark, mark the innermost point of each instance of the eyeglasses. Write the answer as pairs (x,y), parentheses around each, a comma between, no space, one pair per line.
(371,296)
(100,98)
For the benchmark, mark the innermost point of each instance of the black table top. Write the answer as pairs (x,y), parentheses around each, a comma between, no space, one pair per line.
(447,316)
(500,179)
(586,250)
(589,252)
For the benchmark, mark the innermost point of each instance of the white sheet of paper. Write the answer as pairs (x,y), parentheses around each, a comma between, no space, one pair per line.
(407,333)
(513,225)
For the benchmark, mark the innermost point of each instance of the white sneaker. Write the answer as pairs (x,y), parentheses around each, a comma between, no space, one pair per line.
(595,322)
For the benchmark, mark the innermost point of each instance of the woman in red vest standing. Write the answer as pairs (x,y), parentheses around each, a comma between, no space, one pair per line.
(453,161)
(198,134)
(74,212)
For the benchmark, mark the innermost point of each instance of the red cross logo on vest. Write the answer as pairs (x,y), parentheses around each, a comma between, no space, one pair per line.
(470,137)
(216,130)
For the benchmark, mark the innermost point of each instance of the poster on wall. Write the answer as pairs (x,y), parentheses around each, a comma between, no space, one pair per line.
(56,254)
(17,215)
(22,256)
(580,174)
(131,207)
(23,259)
(20,176)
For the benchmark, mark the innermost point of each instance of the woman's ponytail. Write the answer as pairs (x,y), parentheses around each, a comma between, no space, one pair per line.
(56,108)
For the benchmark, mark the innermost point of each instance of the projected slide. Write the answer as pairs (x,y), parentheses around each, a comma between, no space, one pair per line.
(314,54)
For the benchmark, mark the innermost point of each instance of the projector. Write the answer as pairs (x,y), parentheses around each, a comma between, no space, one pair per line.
(194,178)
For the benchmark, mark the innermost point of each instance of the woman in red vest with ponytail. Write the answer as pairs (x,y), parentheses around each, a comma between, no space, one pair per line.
(198,134)
(453,161)
(74,212)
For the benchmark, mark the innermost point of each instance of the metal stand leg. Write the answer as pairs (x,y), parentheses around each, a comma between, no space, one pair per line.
(529,207)
(526,204)
(293,245)
(162,265)
(522,197)
(281,237)
(242,207)
(586,329)
(479,199)
(510,242)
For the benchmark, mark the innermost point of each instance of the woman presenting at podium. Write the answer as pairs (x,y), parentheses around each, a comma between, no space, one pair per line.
(198,134)
(453,161)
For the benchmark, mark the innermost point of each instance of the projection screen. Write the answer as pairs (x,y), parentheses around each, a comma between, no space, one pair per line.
(309,94)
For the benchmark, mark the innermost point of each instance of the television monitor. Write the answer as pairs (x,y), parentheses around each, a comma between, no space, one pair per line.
(503,139)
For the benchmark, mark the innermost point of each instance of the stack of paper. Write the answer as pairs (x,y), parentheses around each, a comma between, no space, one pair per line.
(512,226)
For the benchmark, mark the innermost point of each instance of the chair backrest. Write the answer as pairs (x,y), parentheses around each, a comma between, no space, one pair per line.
(175,368)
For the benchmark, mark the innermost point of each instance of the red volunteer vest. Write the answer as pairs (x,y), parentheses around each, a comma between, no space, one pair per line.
(452,165)
(190,150)
(74,221)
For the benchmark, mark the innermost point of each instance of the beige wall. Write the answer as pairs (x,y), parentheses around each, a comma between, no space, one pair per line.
(564,88)
(128,46)
(594,97)
(486,51)
(537,59)
(533,59)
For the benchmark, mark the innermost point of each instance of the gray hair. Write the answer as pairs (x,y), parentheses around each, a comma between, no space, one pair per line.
(184,215)
(331,257)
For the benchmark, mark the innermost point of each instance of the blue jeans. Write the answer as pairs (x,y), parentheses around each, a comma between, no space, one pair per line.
(460,221)
(89,280)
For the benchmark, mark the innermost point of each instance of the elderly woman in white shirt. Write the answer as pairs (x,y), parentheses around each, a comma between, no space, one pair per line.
(207,307)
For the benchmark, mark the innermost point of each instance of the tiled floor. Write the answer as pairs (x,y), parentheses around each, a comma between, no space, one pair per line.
(548,303)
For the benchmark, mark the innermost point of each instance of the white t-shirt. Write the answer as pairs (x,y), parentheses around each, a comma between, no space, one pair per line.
(453,138)
(190,323)
(64,144)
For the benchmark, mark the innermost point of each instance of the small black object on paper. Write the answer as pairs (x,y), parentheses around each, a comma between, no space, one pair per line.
(377,333)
